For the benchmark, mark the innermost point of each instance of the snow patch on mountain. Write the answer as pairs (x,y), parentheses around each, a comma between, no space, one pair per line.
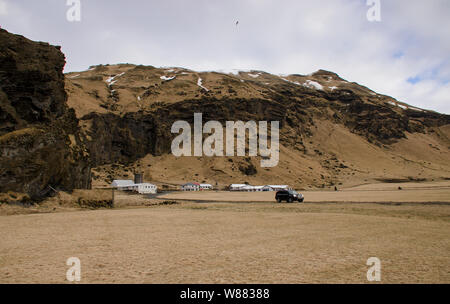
(254,75)
(165,78)
(405,107)
(200,84)
(112,80)
(287,80)
(313,85)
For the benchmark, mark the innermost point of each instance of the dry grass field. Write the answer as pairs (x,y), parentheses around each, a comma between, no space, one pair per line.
(218,242)
(382,193)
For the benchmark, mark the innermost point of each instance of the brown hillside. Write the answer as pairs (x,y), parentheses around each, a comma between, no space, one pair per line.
(332,131)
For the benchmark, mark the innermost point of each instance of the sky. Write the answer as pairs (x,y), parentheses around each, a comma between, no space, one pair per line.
(404,54)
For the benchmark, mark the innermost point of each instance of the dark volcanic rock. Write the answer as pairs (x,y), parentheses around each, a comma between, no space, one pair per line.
(40,144)
(133,135)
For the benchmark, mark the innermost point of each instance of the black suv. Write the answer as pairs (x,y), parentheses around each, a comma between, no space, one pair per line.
(288,196)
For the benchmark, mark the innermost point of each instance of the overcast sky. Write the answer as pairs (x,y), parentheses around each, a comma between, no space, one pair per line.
(406,55)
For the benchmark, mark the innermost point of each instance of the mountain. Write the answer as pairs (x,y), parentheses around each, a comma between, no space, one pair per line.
(40,144)
(77,130)
(332,131)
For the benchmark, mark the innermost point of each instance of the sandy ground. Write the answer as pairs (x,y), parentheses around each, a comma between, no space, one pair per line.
(383,192)
(230,243)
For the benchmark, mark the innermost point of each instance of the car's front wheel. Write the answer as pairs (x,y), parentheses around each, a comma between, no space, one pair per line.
(290,200)
(301,200)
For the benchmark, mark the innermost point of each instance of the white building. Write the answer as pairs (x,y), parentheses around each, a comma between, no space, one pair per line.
(190,187)
(278,187)
(144,188)
(258,188)
(129,185)
(250,188)
(238,187)
(205,187)
(247,188)
(122,184)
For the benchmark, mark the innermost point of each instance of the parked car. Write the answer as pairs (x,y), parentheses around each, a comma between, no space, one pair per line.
(289,196)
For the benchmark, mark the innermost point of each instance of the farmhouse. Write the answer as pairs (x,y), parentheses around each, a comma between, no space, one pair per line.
(278,187)
(247,188)
(205,187)
(121,184)
(237,187)
(259,188)
(144,188)
(190,187)
(137,185)
(250,188)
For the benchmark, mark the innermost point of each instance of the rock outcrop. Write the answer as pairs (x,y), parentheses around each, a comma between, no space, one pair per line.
(126,138)
(40,143)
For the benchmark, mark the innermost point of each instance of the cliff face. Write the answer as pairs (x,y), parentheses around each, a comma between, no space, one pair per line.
(133,135)
(40,144)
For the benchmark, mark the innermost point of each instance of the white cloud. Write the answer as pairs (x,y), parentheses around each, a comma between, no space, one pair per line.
(281,37)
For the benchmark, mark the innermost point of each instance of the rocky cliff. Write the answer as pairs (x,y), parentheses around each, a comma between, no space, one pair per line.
(40,143)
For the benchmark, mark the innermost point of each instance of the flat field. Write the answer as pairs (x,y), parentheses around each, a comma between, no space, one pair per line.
(220,242)
(381,193)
